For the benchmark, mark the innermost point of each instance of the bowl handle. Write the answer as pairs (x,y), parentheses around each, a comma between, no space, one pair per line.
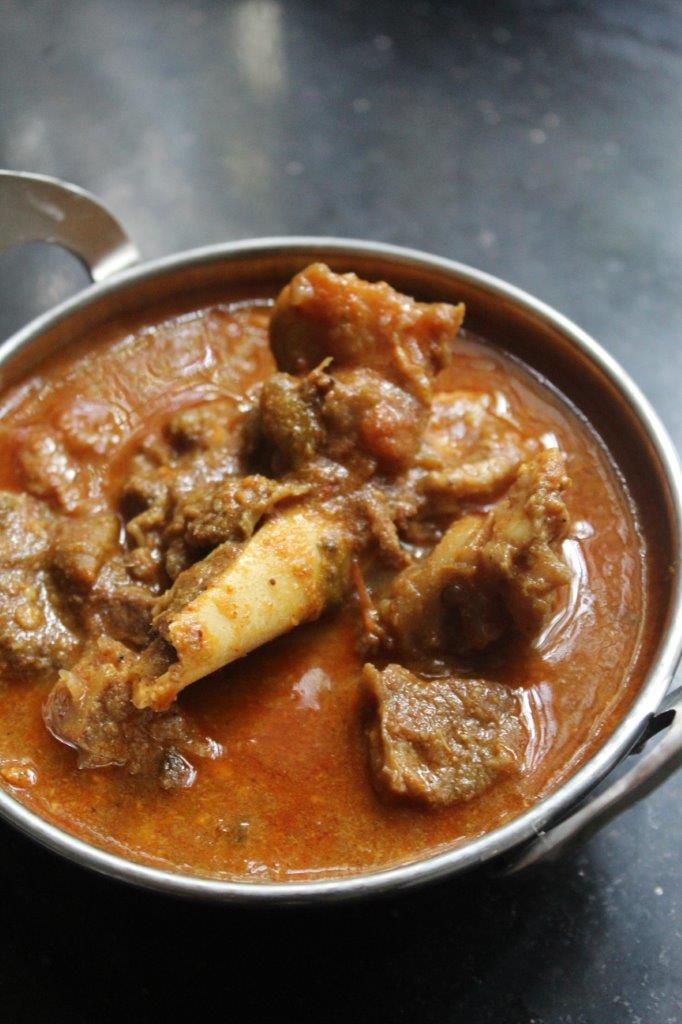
(648,772)
(37,208)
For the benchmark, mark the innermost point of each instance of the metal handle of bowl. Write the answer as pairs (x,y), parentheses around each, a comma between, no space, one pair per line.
(661,744)
(36,208)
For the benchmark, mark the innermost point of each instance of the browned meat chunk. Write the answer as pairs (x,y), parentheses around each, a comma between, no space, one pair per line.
(365,357)
(147,485)
(363,410)
(440,741)
(89,708)
(225,426)
(472,450)
(349,416)
(49,471)
(291,418)
(81,547)
(228,511)
(192,581)
(26,531)
(208,446)
(118,606)
(488,573)
(522,546)
(375,508)
(90,425)
(93,578)
(442,603)
(34,632)
(321,314)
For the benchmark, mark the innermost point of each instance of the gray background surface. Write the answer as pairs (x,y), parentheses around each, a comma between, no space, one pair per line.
(540,141)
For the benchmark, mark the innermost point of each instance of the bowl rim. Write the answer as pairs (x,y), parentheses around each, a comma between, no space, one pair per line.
(465,855)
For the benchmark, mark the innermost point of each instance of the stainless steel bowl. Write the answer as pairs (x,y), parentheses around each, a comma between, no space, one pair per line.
(33,207)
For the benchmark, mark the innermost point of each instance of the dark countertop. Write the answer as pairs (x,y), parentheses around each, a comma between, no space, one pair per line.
(540,141)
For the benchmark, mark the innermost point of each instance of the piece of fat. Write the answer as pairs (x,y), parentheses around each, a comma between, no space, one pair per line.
(293,568)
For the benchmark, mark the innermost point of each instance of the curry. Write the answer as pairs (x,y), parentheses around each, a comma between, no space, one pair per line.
(305,586)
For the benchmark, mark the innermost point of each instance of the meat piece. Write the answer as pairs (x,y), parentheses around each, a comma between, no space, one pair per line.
(92,577)
(91,426)
(168,482)
(147,559)
(488,573)
(221,512)
(82,545)
(477,480)
(90,709)
(35,634)
(196,578)
(365,356)
(26,531)
(320,314)
(354,417)
(384,531)
(49,471)
(118,606)
(380,511)
(230,510)
(418,615)
(441,741)
(200,444)
(363,410)
(522,546)
(226,425)
(291,425)
(149,478)
(472,450)
(292,569)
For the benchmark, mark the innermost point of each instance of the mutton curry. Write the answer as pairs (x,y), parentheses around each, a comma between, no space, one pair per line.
(305,587)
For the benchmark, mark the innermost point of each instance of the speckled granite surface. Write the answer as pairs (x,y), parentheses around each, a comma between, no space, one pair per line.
(541,141)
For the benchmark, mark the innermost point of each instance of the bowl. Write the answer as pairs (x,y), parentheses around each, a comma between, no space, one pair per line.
(37,207)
